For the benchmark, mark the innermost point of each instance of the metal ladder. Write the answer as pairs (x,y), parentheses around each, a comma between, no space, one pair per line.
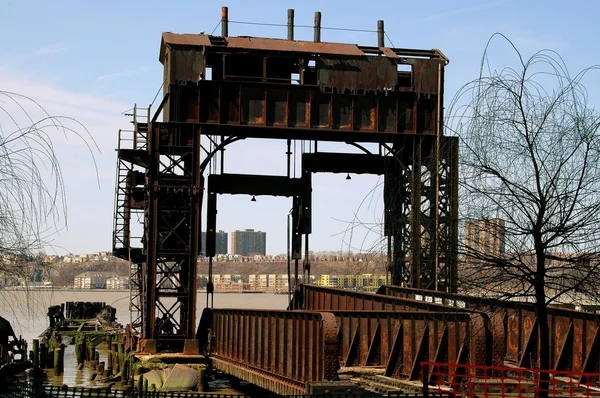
(136,139)
(128,139)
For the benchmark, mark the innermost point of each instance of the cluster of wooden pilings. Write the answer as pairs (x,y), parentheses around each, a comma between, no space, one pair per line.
(49,354)
(118,364)
(88,310)
(87,325)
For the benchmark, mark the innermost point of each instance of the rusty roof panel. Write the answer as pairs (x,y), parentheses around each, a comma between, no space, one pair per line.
(388,52)
(182,39)
(186,39)
(257,43)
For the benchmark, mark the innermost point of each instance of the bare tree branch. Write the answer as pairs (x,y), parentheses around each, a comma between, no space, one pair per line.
(530,183)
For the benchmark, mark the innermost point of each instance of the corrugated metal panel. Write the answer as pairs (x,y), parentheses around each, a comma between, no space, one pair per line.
(367,73)
(180,378)
(155,377)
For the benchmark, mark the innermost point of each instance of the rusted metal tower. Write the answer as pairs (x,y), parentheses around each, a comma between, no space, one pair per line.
(221,89)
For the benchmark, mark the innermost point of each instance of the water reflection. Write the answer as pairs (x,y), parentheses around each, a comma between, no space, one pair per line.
(26,310)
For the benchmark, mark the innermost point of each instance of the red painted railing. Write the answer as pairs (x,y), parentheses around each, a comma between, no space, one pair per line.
(500,381)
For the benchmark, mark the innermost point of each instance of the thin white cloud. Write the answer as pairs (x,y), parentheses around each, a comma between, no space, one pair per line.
(122,74)
(90,210)
(464,10)
(54,48)
(59,100)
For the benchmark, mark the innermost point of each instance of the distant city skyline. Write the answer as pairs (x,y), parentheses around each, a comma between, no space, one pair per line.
(221,239)
(248,242)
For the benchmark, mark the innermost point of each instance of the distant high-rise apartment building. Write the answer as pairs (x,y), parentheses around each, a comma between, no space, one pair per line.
(485,237)
(220,243)
(248,242)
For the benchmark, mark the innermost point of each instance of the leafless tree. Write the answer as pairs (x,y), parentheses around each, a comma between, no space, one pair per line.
(530,184)
(32,193)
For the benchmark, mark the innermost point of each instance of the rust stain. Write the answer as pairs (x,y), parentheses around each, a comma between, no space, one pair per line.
(388,52)
(365,73)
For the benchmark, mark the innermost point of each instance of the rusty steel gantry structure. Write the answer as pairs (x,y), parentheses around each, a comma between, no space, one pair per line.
(222,89)
(219,90)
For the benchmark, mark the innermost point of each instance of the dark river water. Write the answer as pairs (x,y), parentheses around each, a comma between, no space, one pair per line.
(26,311)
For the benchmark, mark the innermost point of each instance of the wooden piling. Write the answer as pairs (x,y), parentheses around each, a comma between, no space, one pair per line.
(125,371)
(59,358)
(109,362)
(100,368)
(202,380)
(43,356)
(115,353)
(79,350)
(121,351)
(90,350)
(140,386)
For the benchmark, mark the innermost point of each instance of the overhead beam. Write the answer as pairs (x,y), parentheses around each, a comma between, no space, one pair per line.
(324,162)
(250,184)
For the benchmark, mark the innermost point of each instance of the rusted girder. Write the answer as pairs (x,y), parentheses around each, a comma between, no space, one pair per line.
(278,350)
(574,335)
(401,340)
(317,298)
(305,111)
(283,351)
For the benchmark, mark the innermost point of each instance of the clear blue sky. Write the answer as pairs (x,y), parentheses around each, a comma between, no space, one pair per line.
(93,59)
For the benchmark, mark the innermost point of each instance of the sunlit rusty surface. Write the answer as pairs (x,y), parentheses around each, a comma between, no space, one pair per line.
(400,340)
(295,347)
(235,105)
(292,348)
(318,298)
(574,335)
(369,73)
